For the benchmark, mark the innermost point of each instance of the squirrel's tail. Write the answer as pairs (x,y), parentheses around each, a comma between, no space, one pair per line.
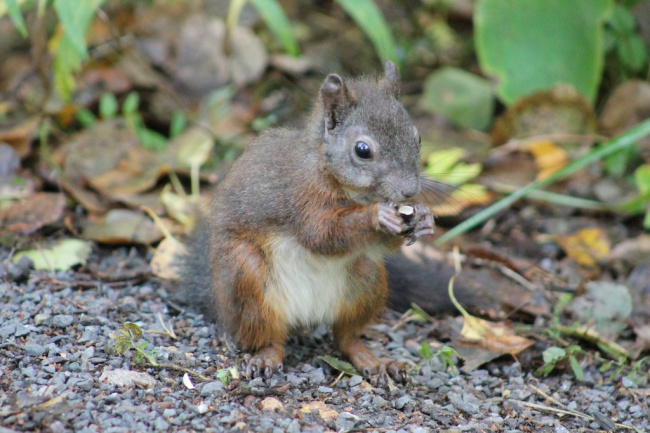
(195,281)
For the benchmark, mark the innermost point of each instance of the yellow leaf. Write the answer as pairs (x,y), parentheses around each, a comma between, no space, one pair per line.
(549,158)
(498,338)
(587,246)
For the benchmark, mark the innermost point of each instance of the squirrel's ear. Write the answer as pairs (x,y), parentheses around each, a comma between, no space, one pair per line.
(337,100)
(391,78)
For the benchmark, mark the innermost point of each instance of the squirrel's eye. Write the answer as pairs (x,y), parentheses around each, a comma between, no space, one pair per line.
(362,150)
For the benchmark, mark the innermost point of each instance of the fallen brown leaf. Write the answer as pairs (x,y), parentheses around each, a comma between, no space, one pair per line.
(32,213)
(272,404)
(325,412)
(481,341)
(122,226)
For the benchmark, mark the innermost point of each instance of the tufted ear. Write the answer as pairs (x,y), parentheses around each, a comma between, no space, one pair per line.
(390,81)
(337,100)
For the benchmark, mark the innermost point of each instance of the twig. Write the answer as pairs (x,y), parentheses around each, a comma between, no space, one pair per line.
(183,369)
(539,391)
(333,384)
(518,278)
(244,390)
(565,412)
(166,330)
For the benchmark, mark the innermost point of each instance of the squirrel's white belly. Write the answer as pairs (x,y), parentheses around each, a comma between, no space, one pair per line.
(307,288)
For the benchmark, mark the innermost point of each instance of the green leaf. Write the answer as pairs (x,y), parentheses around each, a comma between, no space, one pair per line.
(444,166)
(642,179)
(143,346)
(460,96)
(133,330)
(370,19)
(151,139)
(66,61)
(339,365)
(622,20)
(546,369)
(277,21)
(553,354)
(178,124)
(632,53)
(223,374)
(85,117)
(616,164)
(575,366)
(61,257)
(446,354)
(108,106)
(122,345)
(14,12)
(534,46)
(130,104)
(425,351)
(76,16)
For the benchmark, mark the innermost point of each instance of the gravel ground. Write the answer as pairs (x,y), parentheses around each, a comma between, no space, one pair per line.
(59,371)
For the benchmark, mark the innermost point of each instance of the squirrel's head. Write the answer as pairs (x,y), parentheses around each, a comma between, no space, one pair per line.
(370,144)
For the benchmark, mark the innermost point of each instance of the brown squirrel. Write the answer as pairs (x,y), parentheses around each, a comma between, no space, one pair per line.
(296,232)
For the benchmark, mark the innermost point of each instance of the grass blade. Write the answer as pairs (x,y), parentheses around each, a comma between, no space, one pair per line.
(628,138)
(370,19)
(277,21)
(14,12)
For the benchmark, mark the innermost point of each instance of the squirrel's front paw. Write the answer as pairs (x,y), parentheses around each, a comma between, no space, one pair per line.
(389,220)
(419,219)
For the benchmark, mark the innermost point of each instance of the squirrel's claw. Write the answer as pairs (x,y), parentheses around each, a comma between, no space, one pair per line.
(423,223)
(387,372)
(388,219)
(259,365)
(397,371)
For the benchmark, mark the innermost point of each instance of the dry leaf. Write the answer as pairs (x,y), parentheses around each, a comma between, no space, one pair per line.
(549,158)
(587,246)
(162,263)
(183,208)
(272,404)
(628,105)
(635,251)
(481,341)
(561,110)
(62,256)
(122,226)
(326,413)
(20,136)
(32,213)
(604,306)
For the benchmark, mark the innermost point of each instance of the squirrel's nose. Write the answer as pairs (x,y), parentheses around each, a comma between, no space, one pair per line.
(411,190)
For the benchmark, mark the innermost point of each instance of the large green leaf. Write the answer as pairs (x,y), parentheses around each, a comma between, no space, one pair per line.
(370,19)
(460,96)
(534,44)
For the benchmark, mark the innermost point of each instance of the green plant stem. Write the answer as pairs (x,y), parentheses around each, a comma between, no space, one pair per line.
(628,138)
(559,199)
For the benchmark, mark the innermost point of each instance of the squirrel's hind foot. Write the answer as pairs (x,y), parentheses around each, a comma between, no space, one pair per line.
(372,367)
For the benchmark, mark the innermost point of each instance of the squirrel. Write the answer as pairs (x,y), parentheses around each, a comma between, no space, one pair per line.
(296,231)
